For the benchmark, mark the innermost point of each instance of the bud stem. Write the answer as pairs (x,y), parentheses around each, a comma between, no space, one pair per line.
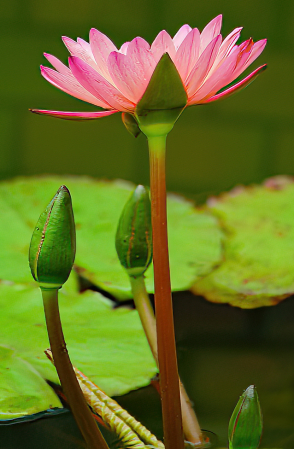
(145,311)
(67,377)
(191,426)
(167,359)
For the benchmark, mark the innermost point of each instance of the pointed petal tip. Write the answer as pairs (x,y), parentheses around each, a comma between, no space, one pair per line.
(218,19)
(66,39)
(49,58)
(43,69)
(91,32)
(78,116)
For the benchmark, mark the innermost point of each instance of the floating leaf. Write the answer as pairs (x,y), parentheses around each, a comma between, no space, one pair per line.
(194,236)
(22,389)
(107,344)
(258,264)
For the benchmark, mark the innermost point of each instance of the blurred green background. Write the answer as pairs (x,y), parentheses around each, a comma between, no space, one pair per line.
(242,139)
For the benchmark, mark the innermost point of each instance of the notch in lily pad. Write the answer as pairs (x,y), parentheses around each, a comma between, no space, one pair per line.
(165,94)
(53,243)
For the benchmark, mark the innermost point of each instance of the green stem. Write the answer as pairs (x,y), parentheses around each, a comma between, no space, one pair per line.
(68,380)
(191,426)
(145,311)
(168,369)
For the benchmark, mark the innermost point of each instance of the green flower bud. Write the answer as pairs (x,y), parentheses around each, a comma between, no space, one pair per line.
(245,426)
(131,124)
(53,243)
(134,233)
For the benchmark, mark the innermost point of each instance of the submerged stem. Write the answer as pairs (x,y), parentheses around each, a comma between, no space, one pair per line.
(191,426)
(167,359)
(68,380)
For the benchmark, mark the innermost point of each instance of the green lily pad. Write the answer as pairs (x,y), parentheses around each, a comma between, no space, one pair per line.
(258,264)
(22,389)
(97,206)
(107,344)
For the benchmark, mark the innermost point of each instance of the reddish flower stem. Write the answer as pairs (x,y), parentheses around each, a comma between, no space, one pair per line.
(143,305)
(167,359)
(67,377)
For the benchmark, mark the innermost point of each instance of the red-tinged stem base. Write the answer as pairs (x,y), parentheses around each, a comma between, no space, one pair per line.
(68,380)
(167,359)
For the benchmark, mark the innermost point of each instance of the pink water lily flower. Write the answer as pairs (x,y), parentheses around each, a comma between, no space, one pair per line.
(115,80)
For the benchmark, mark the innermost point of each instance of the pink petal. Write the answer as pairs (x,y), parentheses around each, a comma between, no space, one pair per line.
(241,85)
(86,46)
(142,64)
(76,49)
(99,86)
(140,53)
(228,44)
(187,54)
(163,43)
(123,49)
(203,66)
(226,72)
(256,50)
(218,78)
(74,115)
(58,65)
(68,83)
(211,30)
(180,35)
(101,47)
(244,52)
(120,68)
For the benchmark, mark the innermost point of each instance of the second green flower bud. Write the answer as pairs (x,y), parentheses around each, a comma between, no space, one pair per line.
(134,233)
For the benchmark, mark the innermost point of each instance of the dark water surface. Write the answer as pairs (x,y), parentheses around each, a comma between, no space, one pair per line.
(221,351)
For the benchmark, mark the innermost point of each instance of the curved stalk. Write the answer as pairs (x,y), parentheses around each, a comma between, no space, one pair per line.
(68,380)
(167,359)
(191,426)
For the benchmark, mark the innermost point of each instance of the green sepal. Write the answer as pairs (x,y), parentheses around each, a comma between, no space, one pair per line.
(165,89)
(53,243)
(245,426)
(164,99)
(133,240)
(131,124)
